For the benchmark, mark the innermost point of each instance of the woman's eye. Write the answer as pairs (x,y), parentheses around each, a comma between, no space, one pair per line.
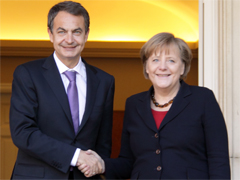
(155,60)
(170,60)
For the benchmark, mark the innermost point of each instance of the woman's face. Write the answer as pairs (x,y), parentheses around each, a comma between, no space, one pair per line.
(164,68)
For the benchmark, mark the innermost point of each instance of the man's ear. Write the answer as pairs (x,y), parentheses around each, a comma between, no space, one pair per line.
(50,35)
(86,35)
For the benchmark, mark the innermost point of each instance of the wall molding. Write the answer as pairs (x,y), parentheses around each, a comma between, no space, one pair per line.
(92,49)
(6,87)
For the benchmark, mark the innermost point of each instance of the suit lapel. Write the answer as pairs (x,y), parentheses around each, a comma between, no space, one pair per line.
(144,110)
(92,86)
(179,104)
(52,76)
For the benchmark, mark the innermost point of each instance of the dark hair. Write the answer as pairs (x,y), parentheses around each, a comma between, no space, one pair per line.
(165,41)
(71,7)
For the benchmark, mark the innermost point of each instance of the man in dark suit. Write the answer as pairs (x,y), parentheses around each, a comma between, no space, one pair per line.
(51,133)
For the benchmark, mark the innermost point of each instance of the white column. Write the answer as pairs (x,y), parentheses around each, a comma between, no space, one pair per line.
(236,86)
(208,38)
(219,65)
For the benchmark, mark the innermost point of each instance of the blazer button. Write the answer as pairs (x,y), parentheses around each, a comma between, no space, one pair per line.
(159,168)
(158,151)
(156,135)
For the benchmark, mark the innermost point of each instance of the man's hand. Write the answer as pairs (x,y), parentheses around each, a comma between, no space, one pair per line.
(90,163)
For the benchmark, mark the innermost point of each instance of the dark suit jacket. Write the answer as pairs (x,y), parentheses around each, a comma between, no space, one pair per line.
(191,142)
(41,123)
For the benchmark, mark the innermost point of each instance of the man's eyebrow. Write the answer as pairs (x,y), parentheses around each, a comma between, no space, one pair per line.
(78,29)
(60,28)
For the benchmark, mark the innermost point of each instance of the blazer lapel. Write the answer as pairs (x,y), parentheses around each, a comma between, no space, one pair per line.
(52,76)
(179,104)
(144,110)
(92,86)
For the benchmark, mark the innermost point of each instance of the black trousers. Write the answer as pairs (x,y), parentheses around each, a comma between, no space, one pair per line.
(70,177)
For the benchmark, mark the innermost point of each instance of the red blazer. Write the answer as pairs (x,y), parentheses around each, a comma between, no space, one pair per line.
(41,124)
(191,143)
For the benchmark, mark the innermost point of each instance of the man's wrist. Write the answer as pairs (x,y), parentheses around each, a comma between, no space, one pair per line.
(75,157)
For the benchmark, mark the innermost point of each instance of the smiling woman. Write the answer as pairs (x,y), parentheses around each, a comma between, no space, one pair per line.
(164,69)
(185,137)
(140,20)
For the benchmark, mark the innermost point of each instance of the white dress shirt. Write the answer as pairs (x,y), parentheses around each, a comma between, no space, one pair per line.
(81,82)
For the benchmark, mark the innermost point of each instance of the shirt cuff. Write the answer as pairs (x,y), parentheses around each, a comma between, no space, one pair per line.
(75,157)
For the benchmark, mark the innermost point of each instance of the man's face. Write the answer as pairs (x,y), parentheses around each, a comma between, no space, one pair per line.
(68,36)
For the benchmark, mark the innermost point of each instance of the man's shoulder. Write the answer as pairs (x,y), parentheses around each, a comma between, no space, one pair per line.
(33,66)
(34,63)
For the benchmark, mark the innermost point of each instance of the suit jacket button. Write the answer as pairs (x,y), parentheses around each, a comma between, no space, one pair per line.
(159,168)
(156,135)
(158,151)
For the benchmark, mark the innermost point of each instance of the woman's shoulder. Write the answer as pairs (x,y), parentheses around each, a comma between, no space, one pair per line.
(195,88)
(137,98)
(200,91)
(138,95)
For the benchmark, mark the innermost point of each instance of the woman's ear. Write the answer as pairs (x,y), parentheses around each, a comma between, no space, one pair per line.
(146,67)
(183,68)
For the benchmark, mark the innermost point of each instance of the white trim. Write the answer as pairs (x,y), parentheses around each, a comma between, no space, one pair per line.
(200,44)
(209,47)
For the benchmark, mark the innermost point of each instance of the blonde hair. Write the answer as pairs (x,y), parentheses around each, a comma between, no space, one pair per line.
(164,42)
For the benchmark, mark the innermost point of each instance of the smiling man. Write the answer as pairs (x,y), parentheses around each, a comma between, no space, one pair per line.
(61,106)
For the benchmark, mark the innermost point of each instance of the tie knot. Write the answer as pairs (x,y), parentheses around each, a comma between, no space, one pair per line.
(71,75)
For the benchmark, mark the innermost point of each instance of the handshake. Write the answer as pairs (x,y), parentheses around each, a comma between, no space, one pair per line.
(90,163)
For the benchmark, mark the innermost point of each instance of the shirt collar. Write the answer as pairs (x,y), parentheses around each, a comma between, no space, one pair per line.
(79,68)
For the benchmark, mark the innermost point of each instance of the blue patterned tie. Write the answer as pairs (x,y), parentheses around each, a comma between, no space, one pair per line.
(73,98)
